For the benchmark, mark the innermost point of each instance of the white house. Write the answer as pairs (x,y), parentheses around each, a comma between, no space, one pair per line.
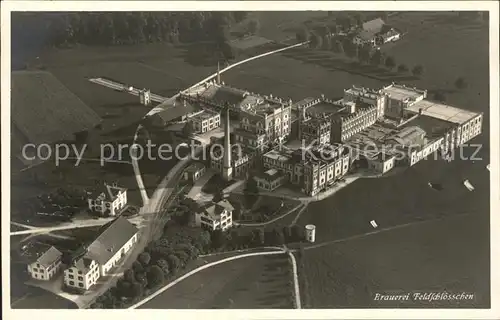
(114,241)
(46,265)
(215,216)
(108,202)
(82,274)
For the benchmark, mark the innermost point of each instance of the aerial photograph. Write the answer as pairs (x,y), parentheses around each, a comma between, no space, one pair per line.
(250,160)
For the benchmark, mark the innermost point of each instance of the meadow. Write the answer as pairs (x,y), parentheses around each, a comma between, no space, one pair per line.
(261,282)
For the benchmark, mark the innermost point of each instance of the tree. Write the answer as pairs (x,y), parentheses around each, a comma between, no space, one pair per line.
(303,35)
(439,96)
(376,58)
(163,264)
(123,288)
(253,26)
(137,266)
(203,240)
(258,237)
(155,276)
(402,68)
(129,275)
(188,129)
(144,259)
(136,290)
(173,262)
(217,238)
(364,54)
(417,70)
(460,83)
(390,63)
(251,192)
(278,237)
(297,233)
(239,16)
(316,41)
(327,42)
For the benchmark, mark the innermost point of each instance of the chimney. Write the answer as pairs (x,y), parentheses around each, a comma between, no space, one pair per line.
(227,170)
(218,73)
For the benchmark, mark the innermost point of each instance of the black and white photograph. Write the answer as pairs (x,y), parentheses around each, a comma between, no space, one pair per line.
(236,155)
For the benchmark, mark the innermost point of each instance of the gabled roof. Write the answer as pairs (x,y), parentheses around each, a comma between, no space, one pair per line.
(83,264)
(215,210)
(112,237)
(48,257)
(110,192)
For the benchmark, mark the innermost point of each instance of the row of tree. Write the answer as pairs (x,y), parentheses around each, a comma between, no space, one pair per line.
(161,260)
(115,28)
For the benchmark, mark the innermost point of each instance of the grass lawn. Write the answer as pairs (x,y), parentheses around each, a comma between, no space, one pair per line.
(248,283)
(418,258)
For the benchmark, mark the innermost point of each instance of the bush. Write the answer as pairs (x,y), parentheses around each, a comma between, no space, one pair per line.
(144,259)
(155,276)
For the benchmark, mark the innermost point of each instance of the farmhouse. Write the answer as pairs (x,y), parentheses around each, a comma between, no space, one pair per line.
(115,239)
(46,265)
(216,216)
(376,32)
(108,202)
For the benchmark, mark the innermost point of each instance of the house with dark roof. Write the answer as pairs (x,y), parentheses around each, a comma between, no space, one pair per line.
(115,239)
(108,201)
(376,32)
(215,216)
(46,264)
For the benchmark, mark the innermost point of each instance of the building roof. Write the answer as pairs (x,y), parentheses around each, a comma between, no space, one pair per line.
(112,237)
(402,93)
(110,192)
(83,264)
(442,111)
(408,135)
(173,109)
(195,166)
(39,95)
(374,25)
(270,175)
(215,210)
(49,256)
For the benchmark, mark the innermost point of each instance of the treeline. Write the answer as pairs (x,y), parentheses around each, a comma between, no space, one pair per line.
(117,28)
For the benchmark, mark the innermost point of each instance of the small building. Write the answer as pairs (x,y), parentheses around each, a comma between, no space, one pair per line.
(310,233)
(46,265)
(194,171)
(381,162)
(204,120)
(82,274)
(216,216)
(109,201)
(270,180)
(115,239)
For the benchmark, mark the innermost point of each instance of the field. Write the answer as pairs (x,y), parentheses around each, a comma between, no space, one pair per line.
(418,258)
(248,283)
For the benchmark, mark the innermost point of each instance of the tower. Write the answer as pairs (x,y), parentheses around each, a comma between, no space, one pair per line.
(227,169)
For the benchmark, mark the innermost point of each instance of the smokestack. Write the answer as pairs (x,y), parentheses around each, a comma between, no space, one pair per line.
(227,170)
(218,72)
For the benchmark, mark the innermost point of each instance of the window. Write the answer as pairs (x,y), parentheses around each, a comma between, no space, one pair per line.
(72,283)
(80,285)
(71,276)
(35,269)
(80,278)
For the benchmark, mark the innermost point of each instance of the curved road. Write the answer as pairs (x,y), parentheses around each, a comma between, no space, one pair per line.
(173,283)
